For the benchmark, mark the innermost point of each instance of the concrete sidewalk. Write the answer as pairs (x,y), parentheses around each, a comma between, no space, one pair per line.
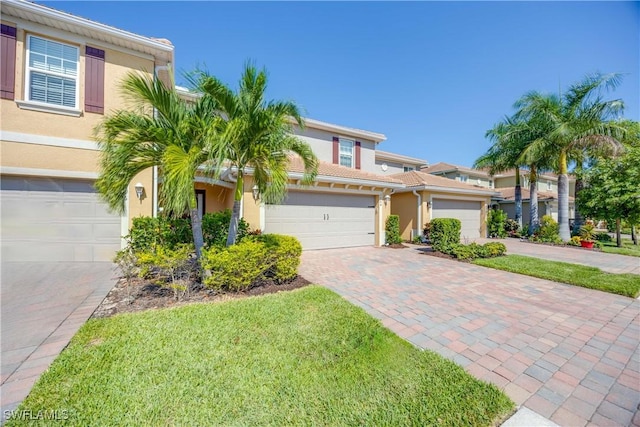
(43,306)
(567,353)
(611,263)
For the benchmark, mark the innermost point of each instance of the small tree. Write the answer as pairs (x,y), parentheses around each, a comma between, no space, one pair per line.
(392,230)
(612,190)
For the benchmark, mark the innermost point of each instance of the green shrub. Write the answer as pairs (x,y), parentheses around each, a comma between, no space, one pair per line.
(494,249)
(148,233)
(170,267)
(392,230)
(417,240)
(511,227)
(426,231)
(496,221)
(549,230)
(603,237)
(215,228)
(237,267)
(445,232)
(461,251)
(574,241)
(474,250)
(283,256)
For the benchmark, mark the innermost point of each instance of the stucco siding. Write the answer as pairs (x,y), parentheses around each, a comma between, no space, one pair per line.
(392,167)
(48,157)
(405,205)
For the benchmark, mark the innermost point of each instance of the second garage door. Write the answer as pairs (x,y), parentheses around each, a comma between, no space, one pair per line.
(54,220)
(466,211)
(324,220)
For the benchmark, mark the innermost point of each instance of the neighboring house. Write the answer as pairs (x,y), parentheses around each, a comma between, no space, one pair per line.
(391,163)
(505,183)
(426,197)
(60,74)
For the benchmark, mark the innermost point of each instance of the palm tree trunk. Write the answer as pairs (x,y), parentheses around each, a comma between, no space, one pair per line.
(563,199)
(196,229)
(235,213)
(534,220)
(518,199)
(618,233)
(578,221)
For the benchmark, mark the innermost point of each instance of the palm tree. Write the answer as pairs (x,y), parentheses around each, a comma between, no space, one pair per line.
(503,155)
(578,120)
(255,137)
(161,130)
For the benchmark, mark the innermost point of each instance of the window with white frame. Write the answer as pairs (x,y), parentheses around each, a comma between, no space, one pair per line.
(52,73)
(491,183)
(346,152)
(463,178)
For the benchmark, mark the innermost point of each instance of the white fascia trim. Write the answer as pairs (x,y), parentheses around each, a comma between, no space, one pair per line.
(207,180)
(354,191)
(385,155)
(339,180)
(448,190)
(54,173)
(27,138)
(48,108)
(359,133)
(75,21)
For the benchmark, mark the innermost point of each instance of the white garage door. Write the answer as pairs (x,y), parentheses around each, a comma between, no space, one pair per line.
(55,220)
(321,220)
(467,212)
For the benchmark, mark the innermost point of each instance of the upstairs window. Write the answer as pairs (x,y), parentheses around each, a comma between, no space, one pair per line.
(52,73)
(491,183)
(346,152)
(549,185)
(464,178)
(408,168)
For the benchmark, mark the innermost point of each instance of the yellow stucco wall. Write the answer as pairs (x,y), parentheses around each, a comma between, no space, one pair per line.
(16,154)
(405,205)
(382,213)
(216,198)
(143,207)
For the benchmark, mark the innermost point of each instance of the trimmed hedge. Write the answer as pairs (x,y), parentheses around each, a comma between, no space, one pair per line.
(445,233)
(496,221)
(392,230)
(474,250)
(241,266)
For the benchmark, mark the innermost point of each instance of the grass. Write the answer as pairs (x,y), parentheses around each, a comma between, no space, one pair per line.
(573,274)
(306,357)
(628,248)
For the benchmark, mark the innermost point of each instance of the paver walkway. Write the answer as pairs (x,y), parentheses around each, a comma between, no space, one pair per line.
(568,353)
(43,305)
(612,263)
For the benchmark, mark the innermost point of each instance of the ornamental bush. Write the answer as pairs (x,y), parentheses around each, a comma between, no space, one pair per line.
(445,232)
(549,230)
(392,230)
(494,249)
(283,256)
(215,228)
(474,250)
(235,268)
(496,220)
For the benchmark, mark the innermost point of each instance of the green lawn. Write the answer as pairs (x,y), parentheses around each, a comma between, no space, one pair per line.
(306,357)
(573,274)
(628,248)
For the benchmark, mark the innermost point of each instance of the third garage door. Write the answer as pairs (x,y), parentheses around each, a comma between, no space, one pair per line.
(467,212)
(324,220)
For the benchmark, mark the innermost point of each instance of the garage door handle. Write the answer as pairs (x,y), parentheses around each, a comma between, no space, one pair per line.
(372,233)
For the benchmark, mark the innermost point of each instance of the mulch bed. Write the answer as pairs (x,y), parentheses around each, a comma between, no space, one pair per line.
(144,295)
(396,246)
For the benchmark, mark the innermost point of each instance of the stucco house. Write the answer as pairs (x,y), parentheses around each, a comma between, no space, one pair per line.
(505,183)
(61,74)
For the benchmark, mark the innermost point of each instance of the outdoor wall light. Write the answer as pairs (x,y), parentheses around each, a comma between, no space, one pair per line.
(387,198)
(256,193)
(429,205)
(139,190)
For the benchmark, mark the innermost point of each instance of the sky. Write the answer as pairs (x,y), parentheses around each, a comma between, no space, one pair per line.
(431,76)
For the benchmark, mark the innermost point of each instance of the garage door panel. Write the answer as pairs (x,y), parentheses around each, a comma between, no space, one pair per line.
(321,220)
(468,212)
(56,220)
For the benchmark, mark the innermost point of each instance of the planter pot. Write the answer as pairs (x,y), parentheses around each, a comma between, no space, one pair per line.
(588,245)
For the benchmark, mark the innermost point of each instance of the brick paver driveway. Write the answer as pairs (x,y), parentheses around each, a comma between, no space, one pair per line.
(612,263)
(568,353)
(43,305)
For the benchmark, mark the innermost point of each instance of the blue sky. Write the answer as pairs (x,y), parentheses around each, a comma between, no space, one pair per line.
(431,76)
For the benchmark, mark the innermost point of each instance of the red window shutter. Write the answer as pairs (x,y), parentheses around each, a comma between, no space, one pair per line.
(94,80)
(336,150)
(8,62)
(358,149)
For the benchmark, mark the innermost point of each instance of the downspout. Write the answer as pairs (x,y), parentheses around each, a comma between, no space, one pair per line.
(415,193)
(154,193)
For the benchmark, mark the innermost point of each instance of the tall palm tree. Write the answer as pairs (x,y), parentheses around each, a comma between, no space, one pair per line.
(255,137)
(576,120)
(160,130)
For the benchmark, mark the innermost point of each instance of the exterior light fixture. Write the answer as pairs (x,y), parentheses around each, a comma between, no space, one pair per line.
(256,193)
(387,198)
(429,205)
(139,190)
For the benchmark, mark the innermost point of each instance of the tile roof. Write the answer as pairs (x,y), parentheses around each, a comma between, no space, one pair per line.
(509,194)
(444,167)
(329,169)
(417,179)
